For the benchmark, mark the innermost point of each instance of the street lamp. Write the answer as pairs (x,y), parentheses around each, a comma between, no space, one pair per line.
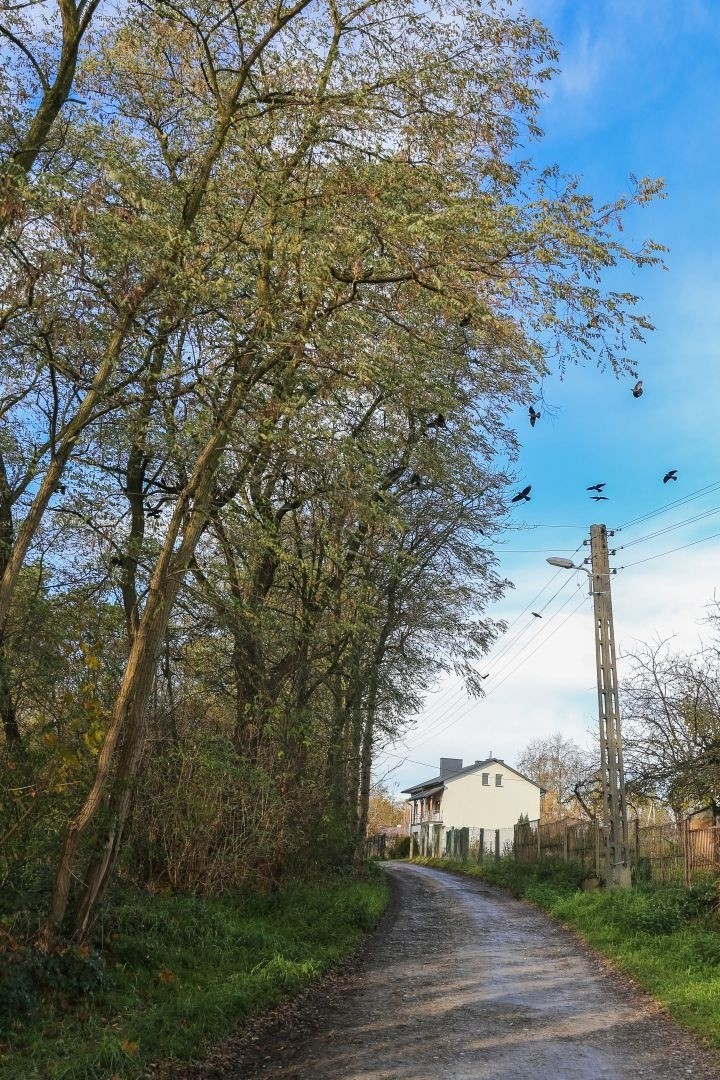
(617,867)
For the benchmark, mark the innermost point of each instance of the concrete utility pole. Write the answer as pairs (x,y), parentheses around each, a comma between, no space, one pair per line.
(617,866)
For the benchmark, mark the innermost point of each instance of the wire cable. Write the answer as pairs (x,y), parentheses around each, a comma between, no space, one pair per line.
(458,716)
(667,529)
(671,505)
(661,554)
(458,698)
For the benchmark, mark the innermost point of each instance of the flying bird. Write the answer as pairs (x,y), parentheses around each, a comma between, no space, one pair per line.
(670,475)
(595,487)
(485,676)
(522,496)
(599,498)
(536,614)
(637,389)
(534,416)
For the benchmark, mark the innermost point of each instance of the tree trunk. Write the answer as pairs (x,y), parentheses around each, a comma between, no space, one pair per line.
(129,715)
(366,757)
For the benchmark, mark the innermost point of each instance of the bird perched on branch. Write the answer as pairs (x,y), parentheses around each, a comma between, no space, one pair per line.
(671,474)
(599,498)
(522,496)
(534,416)
(536,614)
(637,389)
(595,487)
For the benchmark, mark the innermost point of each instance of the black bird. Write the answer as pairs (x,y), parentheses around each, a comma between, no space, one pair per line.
(599,498)
(485,676)
(670,475)
(522,496)
(439,421)
(465,321)
(415,479)
(596,487)
(534,416)
(536,614)
(637,389)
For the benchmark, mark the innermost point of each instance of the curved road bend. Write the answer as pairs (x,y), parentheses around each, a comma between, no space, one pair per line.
(466,982)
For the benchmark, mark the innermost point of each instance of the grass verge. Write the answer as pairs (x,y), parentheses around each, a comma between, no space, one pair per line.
(176,973)
(666,937)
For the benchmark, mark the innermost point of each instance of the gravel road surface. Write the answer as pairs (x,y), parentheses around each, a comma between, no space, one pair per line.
(463,981)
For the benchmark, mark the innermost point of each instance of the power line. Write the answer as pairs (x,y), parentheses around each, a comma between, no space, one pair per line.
(459,698)
(543,642)
(671,505)
(661,554)
(667,529)
(455,717)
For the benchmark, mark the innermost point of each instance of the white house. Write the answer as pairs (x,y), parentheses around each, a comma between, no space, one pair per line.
(485,795)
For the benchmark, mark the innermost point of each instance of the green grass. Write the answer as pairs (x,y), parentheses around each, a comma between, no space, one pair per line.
(667,938)
(176,973)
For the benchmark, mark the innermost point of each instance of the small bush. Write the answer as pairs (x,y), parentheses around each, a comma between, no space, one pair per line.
(26,977)
(400,848)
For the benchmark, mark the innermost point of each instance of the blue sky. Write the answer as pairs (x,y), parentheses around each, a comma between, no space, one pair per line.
(638,93)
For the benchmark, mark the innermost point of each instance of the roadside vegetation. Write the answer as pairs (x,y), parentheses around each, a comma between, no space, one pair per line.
(175,974)
(666,937)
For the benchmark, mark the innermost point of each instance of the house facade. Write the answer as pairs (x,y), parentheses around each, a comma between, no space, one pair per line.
(486,795)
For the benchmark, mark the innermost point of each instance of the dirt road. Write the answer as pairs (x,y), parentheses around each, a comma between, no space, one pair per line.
(463,981)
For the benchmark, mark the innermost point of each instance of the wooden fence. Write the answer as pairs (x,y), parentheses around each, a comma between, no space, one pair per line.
(669,854)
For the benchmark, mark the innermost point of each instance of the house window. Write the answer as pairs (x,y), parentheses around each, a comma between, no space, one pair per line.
(498,779)
(486,779)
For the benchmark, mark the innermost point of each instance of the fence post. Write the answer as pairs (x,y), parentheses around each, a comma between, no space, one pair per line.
(565,843)
(539,849)
(497,843)
(481,849)
(637,847)
(687,854)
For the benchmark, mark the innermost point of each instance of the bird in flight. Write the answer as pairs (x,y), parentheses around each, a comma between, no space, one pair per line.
(637,389)
(595,487)
(671,474)
(536,614)
(522,496)
(599,498)
(534,416)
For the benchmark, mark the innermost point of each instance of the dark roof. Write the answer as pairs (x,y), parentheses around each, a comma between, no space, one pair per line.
(438,782)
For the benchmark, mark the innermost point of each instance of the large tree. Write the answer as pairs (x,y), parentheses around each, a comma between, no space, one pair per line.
(279,284)
(671,718)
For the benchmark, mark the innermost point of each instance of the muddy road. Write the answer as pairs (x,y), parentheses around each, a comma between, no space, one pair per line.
(463,981)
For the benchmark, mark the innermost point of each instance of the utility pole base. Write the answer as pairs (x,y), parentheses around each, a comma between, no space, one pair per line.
(620,878)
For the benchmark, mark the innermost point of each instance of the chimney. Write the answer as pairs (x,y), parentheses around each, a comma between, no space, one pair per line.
(449,765)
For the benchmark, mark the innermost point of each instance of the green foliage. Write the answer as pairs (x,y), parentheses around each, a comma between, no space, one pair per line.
(27,977)
(399,848)
(175,973)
